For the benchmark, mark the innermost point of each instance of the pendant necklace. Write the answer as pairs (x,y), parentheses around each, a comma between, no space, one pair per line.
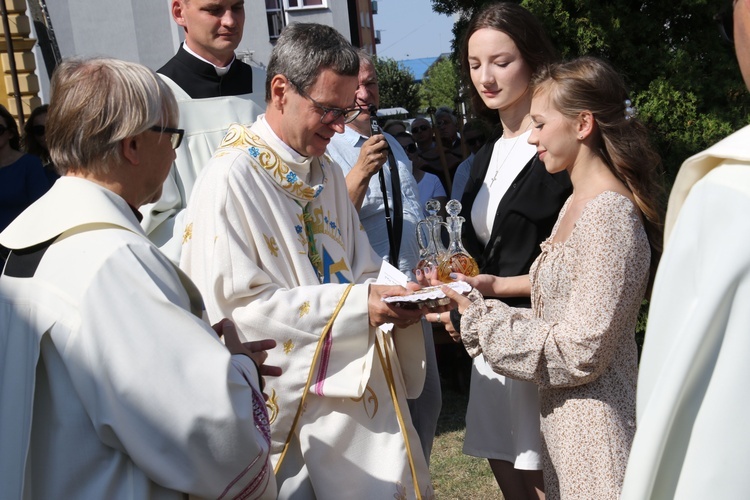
(510,150)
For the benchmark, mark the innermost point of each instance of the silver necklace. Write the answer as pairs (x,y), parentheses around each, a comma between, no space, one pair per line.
(522,132)
(510,150)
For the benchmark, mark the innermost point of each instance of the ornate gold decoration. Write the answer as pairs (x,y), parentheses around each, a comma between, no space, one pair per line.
(288,346)
(273,406)
(273,247)
(369,401)
(400,491)
(323,224)
(188,233)
(301,236)
(336,267)
(304,308)
(242,138)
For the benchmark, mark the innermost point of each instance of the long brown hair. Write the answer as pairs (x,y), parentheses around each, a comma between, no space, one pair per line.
(591,84)
(526,32)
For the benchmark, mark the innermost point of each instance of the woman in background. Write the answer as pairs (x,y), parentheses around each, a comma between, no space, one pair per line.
(35,140)
(22,178)
(429,185)
(577,342)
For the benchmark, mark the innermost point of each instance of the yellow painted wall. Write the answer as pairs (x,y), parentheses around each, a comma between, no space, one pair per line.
(20,30)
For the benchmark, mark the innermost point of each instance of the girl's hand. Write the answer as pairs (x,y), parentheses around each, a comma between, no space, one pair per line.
(461,301)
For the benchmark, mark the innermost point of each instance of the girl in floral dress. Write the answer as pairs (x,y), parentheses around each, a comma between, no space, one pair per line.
(577,340)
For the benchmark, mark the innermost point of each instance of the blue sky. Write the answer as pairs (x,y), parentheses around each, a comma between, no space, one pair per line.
(409,29)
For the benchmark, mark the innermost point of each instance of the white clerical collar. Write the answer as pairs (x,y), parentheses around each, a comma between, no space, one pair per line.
(220,70)
(294,154)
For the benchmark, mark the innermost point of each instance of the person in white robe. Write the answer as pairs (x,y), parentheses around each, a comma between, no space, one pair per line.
(111,384)
(692,440)
(273,241)
(213,89)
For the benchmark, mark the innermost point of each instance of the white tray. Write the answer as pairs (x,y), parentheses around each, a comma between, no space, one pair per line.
(431,296)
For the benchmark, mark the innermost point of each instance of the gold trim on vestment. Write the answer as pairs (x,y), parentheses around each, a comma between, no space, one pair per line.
(387,370)
(316,356)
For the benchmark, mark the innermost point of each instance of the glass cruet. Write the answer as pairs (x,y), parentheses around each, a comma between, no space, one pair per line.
(430,248)
(457,259)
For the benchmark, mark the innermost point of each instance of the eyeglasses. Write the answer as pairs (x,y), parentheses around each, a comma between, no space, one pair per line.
(725,20)
(329,115)
(175,134)
(419,128)
(38,130)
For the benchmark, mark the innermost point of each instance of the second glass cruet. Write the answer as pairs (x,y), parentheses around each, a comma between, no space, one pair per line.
(457,259)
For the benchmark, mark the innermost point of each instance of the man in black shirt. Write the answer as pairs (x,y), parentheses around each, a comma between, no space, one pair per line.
(214,89)
(205,65)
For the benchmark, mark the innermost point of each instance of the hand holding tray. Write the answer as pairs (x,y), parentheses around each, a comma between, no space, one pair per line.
(431,296)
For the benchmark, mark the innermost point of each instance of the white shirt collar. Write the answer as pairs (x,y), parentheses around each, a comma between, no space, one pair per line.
(220,70)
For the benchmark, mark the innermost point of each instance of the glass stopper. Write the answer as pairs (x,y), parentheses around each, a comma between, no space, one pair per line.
(453,208)
(432,206)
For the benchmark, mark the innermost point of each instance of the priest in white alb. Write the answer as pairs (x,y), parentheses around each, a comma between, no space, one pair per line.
(214,89)
(273,241)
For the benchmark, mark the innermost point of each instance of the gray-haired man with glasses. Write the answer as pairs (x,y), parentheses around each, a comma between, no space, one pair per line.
(274,242)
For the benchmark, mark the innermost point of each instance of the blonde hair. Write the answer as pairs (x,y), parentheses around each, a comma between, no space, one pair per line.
(590,84)
(98,102)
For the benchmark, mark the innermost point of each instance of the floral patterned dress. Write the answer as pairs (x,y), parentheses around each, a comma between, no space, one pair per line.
(577,344)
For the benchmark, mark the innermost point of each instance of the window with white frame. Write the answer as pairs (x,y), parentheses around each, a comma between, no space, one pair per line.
(306,4)
(275,16)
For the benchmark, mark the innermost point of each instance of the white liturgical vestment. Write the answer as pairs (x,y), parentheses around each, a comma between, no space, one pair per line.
(110,387)
(692,440)
(273,242)
(205,122)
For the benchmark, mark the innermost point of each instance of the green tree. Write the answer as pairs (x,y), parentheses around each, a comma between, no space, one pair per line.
(683,78)
(397,85)
(440,85)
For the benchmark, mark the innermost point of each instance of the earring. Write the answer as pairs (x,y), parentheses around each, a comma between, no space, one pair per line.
(580,137)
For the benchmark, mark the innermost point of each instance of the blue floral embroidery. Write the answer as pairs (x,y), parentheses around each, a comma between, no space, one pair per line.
(318,190)
(333,225)
(298,229)
(291,177)
(254,152)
